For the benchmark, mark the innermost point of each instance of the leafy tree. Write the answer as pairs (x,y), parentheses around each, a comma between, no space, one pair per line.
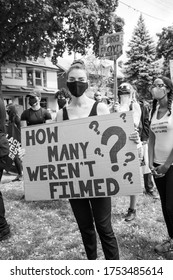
(33,27)
(139,68)
(165,47)
(28,28)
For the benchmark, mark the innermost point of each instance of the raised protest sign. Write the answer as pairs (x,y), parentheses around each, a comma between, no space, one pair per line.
(110,45)
(89,157)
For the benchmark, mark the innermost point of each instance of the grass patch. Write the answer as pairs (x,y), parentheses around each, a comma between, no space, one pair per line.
(47,230)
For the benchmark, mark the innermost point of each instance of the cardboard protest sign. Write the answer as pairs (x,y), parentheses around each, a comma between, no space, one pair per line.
(89,157)
(110,45)
(14,139)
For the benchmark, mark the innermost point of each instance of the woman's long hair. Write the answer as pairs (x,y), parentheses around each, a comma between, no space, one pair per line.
(169,85)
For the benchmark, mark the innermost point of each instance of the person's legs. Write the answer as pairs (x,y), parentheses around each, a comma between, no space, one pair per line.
(4,227)
(131,214)
(83,214)
(165,189)
(101,208)
(2,208)
(150,186)
(169,201)
(148,183)
(18,166)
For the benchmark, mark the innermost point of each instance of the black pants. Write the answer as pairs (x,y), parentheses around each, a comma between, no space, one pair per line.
(98,210)
(18,165)
(3,222)
(165,189)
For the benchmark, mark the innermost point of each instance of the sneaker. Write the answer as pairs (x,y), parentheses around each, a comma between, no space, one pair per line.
(18,178)
(166,246)
(131,214)
(5,233)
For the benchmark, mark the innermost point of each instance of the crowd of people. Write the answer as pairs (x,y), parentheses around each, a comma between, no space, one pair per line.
(153,134)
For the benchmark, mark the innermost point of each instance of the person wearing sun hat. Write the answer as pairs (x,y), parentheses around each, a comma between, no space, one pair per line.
(128,102)
(35,114)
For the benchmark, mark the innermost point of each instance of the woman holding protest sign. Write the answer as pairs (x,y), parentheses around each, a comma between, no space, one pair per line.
(92,214)
(88,211)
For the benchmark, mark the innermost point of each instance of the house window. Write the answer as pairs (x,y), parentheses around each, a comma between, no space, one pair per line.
(9,72)
(30,81)
(44,78)
(38,78)
(18,74)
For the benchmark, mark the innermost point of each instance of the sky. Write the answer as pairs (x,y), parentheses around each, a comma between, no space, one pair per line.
(156,13)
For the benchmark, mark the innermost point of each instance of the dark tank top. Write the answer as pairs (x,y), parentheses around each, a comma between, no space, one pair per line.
(93,112)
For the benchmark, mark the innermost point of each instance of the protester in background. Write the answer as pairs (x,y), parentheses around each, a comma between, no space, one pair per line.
(4,151)
(14,119)
(103,98)
(35,114)
(98,96)
(161,152)
(63,97)
(91,213)
(144,135)
(127,102)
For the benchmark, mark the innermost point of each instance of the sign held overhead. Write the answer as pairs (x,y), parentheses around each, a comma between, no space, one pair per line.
(110,45)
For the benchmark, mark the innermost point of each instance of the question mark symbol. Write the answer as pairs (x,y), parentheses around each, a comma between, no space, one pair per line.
(129,176)
(114,130)
(132,157)
(123,116)
(96,125)
(98,152)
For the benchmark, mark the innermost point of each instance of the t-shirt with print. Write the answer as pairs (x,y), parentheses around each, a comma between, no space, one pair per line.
(33,117)
(163,131)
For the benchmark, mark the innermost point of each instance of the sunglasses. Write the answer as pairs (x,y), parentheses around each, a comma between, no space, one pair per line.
(159,85)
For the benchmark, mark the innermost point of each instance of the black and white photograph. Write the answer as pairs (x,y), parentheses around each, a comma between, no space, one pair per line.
(86,138)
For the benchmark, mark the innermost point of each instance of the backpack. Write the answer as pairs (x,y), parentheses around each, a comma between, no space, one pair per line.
(4,145)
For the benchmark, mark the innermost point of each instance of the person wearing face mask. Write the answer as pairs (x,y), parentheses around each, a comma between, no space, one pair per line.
(86,211)
(35,114)
(161,152)
(127,102)
(92,214)
(63,98)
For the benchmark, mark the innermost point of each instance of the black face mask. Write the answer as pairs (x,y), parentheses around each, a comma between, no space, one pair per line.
(61,103)
(32,100)
(77,88)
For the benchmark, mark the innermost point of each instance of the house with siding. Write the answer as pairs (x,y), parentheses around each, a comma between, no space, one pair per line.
(21,78)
